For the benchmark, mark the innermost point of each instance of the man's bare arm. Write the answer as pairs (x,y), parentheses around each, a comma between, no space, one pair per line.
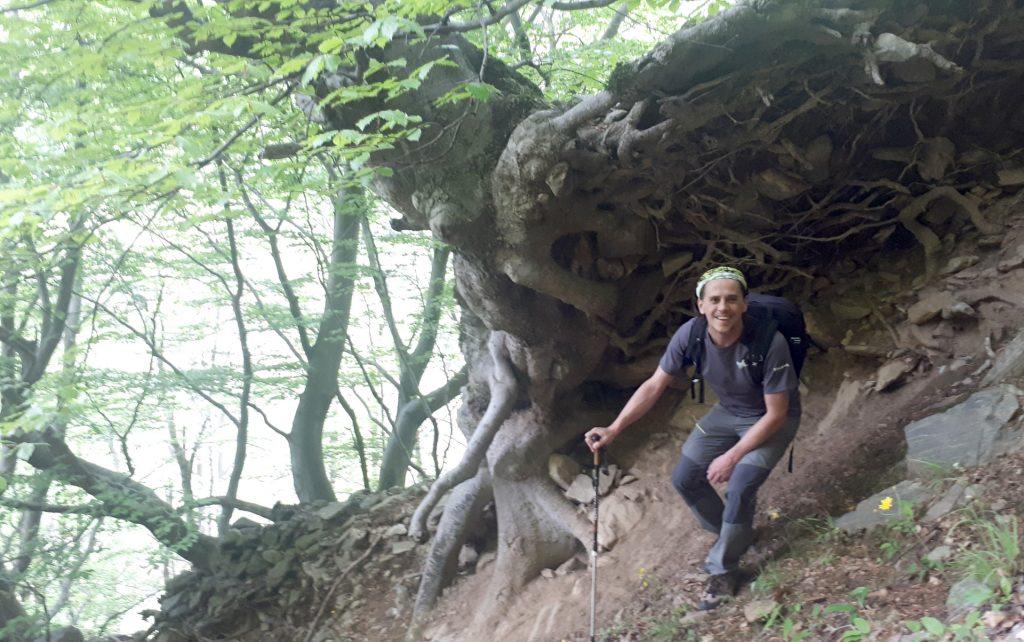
(638,405)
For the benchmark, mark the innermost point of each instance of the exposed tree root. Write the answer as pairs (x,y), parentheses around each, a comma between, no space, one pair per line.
(464,504)
(503,390)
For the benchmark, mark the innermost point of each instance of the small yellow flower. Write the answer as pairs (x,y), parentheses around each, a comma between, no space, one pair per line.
(885,504)
(774,514)
(641,572)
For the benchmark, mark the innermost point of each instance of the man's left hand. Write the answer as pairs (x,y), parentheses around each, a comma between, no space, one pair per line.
(721,468)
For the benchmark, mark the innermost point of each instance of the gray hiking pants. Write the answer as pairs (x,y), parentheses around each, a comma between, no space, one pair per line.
(733,520)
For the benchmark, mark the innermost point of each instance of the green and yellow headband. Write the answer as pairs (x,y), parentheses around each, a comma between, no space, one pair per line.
(721,273)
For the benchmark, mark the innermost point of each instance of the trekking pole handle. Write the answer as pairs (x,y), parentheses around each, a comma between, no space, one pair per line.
(597,453)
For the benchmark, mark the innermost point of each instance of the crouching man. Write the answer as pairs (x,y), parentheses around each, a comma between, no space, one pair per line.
(740,439)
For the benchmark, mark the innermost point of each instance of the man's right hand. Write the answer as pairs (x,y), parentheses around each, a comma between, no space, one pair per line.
(599,437)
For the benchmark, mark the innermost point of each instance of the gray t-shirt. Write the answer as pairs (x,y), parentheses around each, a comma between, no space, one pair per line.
(725,370)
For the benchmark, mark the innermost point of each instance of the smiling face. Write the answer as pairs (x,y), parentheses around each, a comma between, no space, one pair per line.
(723,303)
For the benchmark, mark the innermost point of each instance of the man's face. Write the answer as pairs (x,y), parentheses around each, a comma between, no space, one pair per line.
(723,303)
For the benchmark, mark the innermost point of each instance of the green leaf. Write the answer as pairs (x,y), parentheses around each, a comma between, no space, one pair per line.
(861,624)
(313,69)
(332,45)
(933,626)
(840,608)
(481,91)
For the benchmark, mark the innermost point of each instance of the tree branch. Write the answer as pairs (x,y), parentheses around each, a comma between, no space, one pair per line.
(232,502)
(121,497)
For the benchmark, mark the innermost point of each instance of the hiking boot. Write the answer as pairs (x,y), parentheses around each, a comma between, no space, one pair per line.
(719,588)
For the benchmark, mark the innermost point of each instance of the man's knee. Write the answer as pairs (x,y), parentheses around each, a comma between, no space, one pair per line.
(689,477)
(742,493)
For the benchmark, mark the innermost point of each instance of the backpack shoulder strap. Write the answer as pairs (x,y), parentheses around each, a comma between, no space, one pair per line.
(759,341)
(695,353)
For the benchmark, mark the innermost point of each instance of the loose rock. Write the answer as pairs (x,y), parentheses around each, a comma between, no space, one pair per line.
(563,469)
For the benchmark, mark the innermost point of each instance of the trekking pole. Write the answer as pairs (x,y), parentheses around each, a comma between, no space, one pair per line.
(595,476)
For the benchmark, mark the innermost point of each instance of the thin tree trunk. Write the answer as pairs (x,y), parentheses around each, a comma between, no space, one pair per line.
(411,416)
(306,438)
(413,407)
(612,30)
(357,439)
(242,429)
(72,574)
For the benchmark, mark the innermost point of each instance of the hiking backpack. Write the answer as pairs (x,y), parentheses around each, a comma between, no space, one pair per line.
(765,316)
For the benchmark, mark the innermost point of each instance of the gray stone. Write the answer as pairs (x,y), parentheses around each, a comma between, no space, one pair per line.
(954,497)
(244,523)
(867,515)
(939,554)
(278,572)
(331,511)
(563,470)
(929,307)
(1012,261)
(892,374)
(484,560)
(968,434)
(548,573)
(397,548)
(757,610)
(308,540)
(271,555)
(396,531)
(958,263)
(607,478)
(849,312)
(568,566)
(778,185)
(1009,362)
(618,517)
(1010,177)
(959,310)
(695,616)
(965,596)
(581,490)
(468,556)
(368,502)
